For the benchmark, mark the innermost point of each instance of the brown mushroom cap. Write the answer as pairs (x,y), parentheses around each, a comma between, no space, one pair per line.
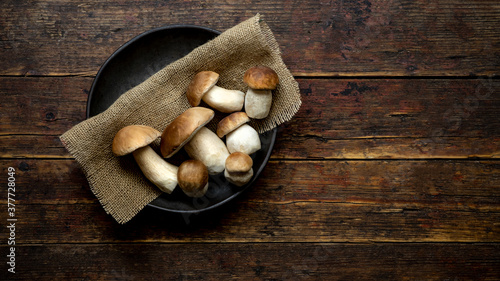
(231,123)
(132,137)
(199,85)
(183,128)
(238,162)
(261,78)
(192,177)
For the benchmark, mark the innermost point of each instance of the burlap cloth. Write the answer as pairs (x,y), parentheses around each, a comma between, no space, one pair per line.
(118,182)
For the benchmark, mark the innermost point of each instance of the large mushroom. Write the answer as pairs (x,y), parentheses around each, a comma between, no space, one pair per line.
(239,135)
(135,139)
(261,80)
(239,169)
(202,87)
(193,178)
(183,128)
(188,131)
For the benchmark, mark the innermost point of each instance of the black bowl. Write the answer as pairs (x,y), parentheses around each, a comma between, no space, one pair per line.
(139,59)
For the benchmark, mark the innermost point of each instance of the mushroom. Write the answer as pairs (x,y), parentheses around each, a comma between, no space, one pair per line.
(258,99)
(135,139)
(239,135)
(183,128)
(193,178)
(188,131)
(239,169)
(202,87)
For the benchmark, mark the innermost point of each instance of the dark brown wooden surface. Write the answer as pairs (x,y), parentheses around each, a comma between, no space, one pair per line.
(389,171)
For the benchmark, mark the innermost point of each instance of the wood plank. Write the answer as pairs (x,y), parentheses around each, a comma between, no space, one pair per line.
(322,201)
(339,118)
(257,261)
(318,38)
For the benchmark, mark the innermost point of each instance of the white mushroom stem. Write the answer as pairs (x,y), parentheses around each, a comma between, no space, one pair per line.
(258,103)
(207,147)
(244,139)
(224,100)
(156,169)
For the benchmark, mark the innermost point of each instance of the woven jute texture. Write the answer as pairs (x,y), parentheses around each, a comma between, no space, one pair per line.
(118,182)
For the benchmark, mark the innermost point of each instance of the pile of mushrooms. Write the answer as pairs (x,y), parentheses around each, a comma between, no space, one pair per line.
(209,153)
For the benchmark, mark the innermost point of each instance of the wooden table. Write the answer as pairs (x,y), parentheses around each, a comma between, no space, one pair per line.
(390,170)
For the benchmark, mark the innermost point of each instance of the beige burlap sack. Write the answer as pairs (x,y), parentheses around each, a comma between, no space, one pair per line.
(118,182)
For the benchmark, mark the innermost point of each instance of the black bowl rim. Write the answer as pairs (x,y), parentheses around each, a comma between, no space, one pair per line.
(273,132)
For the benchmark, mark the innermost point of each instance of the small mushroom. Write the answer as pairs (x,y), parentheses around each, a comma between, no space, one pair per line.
(202,87)
(239,169)
(188,131)
(193,178)
(239,135)
(135,139)
(258,99)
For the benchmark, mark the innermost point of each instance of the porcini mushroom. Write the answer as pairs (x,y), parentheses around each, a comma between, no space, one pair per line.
(239,135)
(193,178)
(188,131)
(135,139)
(261,80)
(183,128)
(202,87)
(239,169)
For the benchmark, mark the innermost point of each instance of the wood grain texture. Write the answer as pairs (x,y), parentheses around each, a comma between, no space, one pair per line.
(309,201)
(339,118)
(318,38)
(258,261)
